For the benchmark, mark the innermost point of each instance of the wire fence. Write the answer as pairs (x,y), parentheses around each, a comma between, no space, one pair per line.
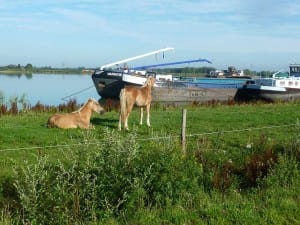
(100,142)
(245,129)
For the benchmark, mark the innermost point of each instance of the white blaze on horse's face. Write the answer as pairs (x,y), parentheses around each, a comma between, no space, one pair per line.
(153,81)
(150,81)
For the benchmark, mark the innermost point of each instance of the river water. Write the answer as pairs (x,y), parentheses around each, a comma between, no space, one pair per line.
(48,89)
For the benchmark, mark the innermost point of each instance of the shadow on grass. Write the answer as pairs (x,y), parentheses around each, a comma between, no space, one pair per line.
(112,123)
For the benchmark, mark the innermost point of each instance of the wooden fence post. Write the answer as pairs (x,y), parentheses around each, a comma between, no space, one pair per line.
(183,127)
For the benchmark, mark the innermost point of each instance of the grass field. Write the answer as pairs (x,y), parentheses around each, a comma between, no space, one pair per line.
(190,189)
(234,127)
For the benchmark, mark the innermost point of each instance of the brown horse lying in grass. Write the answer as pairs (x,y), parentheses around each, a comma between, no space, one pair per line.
(76,119)
(140,96)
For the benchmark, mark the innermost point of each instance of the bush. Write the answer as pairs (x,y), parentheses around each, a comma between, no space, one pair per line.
(118,180)
(95,182)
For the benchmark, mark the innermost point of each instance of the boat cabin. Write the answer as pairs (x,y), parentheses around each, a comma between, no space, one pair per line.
(295,70)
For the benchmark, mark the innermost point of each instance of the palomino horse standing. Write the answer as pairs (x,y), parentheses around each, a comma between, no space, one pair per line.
(140,96)
(79,118)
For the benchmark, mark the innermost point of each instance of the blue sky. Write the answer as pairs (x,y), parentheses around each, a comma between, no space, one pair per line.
(253,34)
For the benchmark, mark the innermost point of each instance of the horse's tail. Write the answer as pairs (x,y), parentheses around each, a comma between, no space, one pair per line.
(123,104)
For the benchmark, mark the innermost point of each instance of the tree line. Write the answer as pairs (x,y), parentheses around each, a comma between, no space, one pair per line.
(29,69)
(202,71)
(182,71)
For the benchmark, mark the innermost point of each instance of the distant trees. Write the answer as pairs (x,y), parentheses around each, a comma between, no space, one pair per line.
(183,71)
(28,67)
(186,70)
(264,74)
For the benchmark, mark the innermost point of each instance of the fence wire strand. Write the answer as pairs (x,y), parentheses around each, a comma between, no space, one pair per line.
(151,138)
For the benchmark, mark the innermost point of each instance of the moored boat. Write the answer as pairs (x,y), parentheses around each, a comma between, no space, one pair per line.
(108,78)
(168,89)
(282,86)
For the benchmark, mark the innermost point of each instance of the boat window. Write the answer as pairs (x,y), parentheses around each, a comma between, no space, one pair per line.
(296,83)
(295,69)
(281,83)
(290,83)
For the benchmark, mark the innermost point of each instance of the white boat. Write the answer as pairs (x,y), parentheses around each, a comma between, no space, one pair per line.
(282,86)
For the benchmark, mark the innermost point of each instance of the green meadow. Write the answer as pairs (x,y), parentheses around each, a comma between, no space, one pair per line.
(241,166)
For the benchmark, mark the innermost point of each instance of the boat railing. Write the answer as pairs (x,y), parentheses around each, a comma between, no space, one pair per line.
(280,74)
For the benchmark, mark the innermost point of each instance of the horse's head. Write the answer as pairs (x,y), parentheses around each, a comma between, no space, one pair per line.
(150,82)
(95,106)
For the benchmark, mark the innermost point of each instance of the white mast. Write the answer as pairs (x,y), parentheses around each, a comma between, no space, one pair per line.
(136,57)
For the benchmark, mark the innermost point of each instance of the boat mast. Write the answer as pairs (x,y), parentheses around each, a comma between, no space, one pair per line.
(136,57)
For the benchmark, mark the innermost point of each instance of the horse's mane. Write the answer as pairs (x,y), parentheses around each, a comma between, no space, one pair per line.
(84,105)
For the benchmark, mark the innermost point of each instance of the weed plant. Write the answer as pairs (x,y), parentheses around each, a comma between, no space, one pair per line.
(122,181)
(95,182)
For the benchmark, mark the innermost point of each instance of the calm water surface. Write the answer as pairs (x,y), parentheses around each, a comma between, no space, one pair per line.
(48,89)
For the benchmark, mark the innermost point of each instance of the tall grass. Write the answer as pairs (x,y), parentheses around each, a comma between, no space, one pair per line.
(18,104)
(121,182)
(94,183)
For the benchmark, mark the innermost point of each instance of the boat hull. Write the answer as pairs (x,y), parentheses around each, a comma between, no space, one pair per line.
(180,96)
(109,85)
(269,94)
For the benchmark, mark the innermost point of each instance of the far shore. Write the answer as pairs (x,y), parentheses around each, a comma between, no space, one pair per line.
(51,71)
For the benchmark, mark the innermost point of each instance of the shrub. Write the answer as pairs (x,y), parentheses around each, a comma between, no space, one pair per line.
(119,180)
(94,182)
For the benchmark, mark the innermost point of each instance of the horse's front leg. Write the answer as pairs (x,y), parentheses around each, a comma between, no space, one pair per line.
(91,126)
(120,122)
(148,115)
(141,118)
(85,125)
(126,121)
